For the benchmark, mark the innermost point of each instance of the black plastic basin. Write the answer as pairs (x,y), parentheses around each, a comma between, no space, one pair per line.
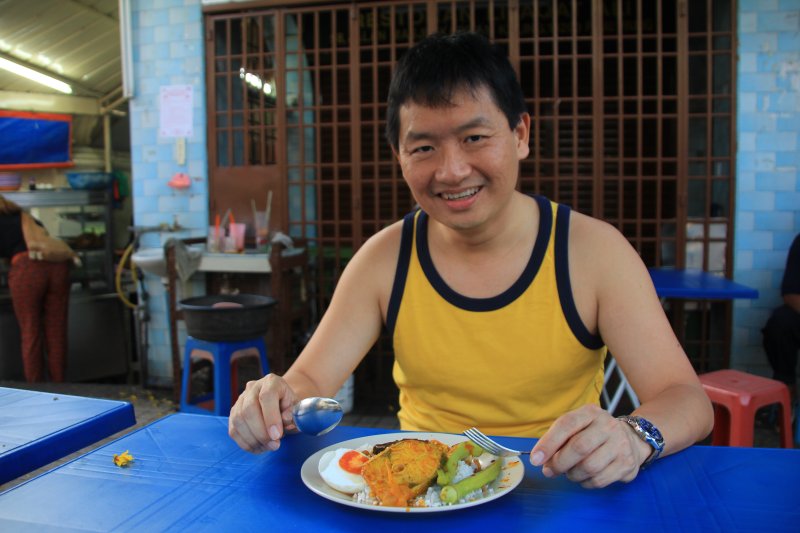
(206,322)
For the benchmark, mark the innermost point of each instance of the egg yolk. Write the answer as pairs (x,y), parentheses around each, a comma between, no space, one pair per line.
(352,461)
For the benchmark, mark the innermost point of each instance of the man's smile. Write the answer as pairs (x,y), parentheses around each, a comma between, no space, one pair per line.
(466,193)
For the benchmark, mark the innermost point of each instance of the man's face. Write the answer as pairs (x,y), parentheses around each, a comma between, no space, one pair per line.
(461,162)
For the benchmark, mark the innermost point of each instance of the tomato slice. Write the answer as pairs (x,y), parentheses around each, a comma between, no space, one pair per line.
(352,461)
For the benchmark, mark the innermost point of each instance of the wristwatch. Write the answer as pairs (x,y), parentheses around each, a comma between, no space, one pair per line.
(648,433)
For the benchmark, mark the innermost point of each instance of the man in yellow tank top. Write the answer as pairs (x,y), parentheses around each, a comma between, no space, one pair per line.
(500,305)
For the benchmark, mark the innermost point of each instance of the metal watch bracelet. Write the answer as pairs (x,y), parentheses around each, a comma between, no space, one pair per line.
(650,434)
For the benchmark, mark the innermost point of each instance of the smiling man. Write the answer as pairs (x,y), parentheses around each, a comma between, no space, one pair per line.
(501,306)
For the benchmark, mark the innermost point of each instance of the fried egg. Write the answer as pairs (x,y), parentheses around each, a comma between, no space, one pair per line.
(340,470)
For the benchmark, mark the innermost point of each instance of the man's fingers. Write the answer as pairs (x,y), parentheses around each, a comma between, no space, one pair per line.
(256,420)
(560,432)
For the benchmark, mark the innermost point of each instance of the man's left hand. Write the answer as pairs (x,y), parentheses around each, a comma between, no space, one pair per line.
(590,447)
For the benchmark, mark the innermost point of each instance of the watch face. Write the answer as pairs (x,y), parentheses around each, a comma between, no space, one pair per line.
(650,428)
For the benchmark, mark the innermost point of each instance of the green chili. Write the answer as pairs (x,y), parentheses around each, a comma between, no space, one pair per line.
(453,493)
(461,451)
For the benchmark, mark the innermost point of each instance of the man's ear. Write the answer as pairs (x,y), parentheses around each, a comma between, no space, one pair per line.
(523,132)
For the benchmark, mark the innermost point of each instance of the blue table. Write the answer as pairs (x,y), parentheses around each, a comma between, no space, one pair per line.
(188,475)
(37,428)
(698,285)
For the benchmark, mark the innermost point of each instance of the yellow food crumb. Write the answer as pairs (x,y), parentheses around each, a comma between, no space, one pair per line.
(123,459)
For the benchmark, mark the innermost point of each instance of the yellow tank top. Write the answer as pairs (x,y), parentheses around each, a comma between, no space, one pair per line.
(510,364)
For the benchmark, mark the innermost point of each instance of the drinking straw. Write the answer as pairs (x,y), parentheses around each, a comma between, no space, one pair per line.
(216,226)
(255,212)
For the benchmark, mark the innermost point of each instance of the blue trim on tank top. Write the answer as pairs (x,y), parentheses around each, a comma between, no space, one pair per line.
(584,336)
(506,297)
(401,273)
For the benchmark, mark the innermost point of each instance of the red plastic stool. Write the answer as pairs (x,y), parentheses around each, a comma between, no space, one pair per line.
(736,397)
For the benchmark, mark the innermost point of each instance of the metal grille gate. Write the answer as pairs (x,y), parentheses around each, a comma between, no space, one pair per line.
(632,105)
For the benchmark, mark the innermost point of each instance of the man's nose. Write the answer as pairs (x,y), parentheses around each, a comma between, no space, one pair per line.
(453,165)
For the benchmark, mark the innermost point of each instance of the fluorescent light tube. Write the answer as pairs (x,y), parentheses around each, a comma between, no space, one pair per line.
(38,77)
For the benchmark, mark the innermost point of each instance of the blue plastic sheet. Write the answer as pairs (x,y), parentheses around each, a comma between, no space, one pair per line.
(34,140)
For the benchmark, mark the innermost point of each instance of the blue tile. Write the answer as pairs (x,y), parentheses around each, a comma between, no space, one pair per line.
(778,21)
(758,82)
(747,22)
(776,220)
(776,181)
(198,205)
(164,152)
(145,36)
(788,121)
(788,159)
(754,240)
(785,101)
(173,204)
(746,101)
(144,171)
(757,42)
(154,188)
(790,41)
(783,239)
(747,140)
(163,35)
(776,141)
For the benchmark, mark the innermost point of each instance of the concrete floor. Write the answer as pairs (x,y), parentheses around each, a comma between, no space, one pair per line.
(151,404)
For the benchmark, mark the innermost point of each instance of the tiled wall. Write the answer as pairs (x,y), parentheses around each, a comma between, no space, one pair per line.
(167,50)
(768,186)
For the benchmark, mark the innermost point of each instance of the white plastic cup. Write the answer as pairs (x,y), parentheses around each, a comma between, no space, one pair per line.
(213,240)
(262,230)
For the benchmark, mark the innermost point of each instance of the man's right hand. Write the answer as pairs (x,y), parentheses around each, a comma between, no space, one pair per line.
(262,414)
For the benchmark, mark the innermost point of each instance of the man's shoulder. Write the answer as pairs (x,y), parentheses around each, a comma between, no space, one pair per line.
(382,248)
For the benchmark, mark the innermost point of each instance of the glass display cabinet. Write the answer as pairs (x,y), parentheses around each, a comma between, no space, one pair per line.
(83,220)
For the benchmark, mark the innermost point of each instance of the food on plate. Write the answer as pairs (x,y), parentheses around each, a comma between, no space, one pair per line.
(404,470)
(458,453)
(412,473)
(453,493)
(341,470)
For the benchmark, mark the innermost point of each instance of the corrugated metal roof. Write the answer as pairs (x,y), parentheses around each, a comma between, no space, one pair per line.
(76,41)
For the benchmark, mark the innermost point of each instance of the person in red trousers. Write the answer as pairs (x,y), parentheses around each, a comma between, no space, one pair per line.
(38,280)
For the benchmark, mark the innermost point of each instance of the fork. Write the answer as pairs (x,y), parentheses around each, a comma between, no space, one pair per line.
(491,446)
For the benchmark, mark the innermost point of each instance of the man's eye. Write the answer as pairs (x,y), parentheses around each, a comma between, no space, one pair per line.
(474,138)
(421,149)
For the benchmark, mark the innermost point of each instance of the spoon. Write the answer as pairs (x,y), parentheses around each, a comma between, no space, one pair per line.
(317,416)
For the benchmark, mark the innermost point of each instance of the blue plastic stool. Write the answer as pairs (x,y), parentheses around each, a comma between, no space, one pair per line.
(223,355)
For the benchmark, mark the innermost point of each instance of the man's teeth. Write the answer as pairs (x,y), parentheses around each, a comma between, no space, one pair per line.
(460,195)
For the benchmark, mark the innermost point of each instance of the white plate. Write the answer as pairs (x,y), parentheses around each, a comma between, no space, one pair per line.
(511,476)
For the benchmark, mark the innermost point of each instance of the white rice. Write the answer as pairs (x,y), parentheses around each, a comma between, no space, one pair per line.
(432,497)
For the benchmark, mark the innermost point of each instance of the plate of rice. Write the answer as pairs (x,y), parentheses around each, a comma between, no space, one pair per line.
(428,501)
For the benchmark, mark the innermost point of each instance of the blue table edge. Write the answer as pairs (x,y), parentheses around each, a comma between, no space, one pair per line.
(65,441)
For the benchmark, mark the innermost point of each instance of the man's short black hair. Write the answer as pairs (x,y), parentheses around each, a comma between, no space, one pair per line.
(440,65)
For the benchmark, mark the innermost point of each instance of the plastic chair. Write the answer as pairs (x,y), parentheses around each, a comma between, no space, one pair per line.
(224,356)
(736,397)
(615,385)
